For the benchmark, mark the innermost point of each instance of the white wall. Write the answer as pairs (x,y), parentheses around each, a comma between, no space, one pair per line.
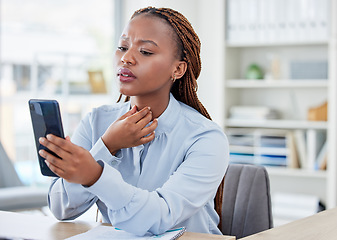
(207,19)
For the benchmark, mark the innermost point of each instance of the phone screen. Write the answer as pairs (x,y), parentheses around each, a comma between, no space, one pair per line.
(46,119)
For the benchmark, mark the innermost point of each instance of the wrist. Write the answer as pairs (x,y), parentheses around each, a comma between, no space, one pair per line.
(112,150)
(97,172)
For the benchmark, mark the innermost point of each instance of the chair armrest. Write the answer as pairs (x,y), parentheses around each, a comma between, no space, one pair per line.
(19,198)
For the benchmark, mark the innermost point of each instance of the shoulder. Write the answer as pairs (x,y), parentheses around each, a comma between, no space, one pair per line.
(113,109)
(203,137)
(196,120)
(199,129)
(105,113)
(116,107)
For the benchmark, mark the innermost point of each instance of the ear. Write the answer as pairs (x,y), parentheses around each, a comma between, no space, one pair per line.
(180,69)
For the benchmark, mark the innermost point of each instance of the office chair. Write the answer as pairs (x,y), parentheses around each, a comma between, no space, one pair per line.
(14,195)
(246,203)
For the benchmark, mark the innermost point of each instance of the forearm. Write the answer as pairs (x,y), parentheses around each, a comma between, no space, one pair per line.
(140,211)
(68,200)
(130,208)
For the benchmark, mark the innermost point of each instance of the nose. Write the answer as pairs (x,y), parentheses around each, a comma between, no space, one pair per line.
(128,58)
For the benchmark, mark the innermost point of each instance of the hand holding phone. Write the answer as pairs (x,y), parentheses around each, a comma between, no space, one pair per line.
(46,119)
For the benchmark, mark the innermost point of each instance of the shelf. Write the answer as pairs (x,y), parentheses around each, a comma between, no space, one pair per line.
(303,83)
(258,150)
(285,57)
(277,44)
(296,172)
(277,124)
(242,149)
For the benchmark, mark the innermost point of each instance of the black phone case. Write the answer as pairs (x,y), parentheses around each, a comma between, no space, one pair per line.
(46,119)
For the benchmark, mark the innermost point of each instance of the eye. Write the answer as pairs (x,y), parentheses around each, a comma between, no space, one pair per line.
(145,53)
(122,49)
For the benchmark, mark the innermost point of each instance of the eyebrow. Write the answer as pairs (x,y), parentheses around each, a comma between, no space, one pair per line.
(141,40)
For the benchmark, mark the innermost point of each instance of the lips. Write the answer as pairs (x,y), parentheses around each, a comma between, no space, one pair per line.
(125,75)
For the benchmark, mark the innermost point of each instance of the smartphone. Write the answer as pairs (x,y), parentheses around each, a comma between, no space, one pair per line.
(46,119)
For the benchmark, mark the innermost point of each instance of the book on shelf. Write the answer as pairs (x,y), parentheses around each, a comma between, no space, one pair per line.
(300,143)
(305,149)
(273,21)
(293,152)
(243,158)
(310,148)
(272,160)
(240,136)
(265,147)
(322,157)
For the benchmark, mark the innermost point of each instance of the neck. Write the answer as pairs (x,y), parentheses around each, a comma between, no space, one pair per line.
(157,104)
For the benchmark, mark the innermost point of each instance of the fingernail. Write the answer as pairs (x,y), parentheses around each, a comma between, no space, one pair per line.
(49,136)
(149,108)
(41,153)
(41,139)
(46,162)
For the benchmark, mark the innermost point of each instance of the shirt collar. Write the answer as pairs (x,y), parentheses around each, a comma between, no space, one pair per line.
(169,117)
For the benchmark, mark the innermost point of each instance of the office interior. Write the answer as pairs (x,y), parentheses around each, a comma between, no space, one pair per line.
(269,71)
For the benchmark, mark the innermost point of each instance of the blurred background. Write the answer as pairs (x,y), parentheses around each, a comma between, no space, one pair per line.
(268,79)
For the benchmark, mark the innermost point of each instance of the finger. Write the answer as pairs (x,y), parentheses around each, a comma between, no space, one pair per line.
(129,113)
(149,129)
(145,120)
(53,147)
(61,143)
(67,138)
(52,160)
(58,171)
(139,115)
(147,139)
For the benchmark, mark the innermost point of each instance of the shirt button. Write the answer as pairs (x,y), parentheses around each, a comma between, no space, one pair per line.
(113,162)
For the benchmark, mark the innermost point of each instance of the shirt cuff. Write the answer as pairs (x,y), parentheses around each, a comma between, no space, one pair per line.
(100,152)
(111,189)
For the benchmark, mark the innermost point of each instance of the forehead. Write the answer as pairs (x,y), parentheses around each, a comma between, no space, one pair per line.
(144,27)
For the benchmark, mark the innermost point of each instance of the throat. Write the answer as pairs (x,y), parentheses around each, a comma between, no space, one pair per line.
(157,107)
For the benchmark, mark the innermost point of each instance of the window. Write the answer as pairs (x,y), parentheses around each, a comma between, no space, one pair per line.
(47,50)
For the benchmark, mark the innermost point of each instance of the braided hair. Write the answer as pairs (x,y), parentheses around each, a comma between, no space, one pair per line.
(188,50)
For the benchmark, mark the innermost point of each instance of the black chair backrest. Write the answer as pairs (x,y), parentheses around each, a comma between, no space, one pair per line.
(246,205)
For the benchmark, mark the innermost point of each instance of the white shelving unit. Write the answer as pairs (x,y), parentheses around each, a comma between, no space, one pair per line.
(290,97)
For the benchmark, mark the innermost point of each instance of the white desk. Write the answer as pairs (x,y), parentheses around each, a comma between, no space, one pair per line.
(19,225)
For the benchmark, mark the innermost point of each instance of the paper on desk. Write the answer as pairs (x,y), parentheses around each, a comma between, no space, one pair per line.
(107,232)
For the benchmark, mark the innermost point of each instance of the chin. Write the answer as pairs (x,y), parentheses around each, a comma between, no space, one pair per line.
(126,92)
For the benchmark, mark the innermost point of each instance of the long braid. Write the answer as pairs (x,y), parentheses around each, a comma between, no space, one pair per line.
(185,88)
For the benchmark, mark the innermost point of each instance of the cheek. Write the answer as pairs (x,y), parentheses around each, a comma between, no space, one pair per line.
(160,70)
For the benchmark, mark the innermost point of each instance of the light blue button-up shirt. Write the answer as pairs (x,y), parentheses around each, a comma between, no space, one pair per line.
(166,183)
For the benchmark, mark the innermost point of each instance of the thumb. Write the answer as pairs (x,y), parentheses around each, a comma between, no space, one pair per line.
(129,113)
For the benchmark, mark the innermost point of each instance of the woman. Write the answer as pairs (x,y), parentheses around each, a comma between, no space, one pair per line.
(152,163)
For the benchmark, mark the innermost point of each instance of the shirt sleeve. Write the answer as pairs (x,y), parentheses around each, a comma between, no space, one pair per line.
(190,188)
(69,200)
